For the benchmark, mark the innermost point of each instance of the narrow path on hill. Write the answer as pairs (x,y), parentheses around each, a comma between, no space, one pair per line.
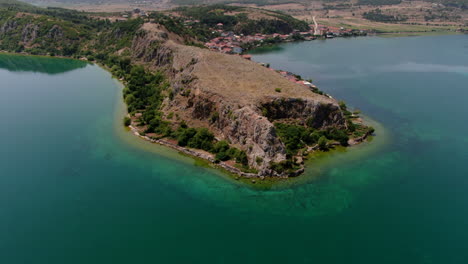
(316,25)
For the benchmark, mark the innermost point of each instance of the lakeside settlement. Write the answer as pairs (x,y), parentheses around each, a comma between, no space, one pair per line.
(230,43)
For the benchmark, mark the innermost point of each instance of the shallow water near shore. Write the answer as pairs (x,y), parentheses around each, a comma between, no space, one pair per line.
(75,187)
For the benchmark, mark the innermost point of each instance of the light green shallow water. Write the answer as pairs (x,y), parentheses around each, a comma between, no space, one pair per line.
(75,187)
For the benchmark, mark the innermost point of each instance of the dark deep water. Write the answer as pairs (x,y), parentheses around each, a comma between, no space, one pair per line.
(76,188)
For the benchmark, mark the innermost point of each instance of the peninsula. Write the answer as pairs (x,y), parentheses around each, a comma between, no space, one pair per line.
(248,118)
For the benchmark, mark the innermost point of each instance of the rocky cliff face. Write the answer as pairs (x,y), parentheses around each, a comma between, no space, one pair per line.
(8,26)
(29,33)
(148,46)
(317,113)
(233,97)
(241,125)
(55,33)
(25,34)
(247,127)
(32,33)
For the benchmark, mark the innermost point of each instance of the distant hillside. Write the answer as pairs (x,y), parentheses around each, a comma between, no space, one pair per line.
(43,30)
(273,2)
(256,2)
(453,3)
(12,3)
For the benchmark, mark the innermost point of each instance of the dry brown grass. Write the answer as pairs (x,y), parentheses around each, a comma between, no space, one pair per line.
(237,79)
(121,7)
(352,17)
(252,14)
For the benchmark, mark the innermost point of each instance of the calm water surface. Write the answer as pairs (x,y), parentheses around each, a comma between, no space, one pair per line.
(75,187)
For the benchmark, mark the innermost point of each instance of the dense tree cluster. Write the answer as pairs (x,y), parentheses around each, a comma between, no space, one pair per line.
(296,137)
(256,2)
(189,31)
(144,89)
(379,2)
(211,15)
(144,93)
(378,16)
(202,138)
(284,166)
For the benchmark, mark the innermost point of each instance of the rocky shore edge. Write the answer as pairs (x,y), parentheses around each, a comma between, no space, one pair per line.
(223,165)
(195,153)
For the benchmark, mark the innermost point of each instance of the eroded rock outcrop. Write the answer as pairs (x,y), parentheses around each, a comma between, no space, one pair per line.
(55,33)
(8,26)
(29,33)
(149,47)
(319,114)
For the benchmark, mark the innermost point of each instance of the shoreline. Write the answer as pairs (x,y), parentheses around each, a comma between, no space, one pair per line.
(209,157)
(369,34)
(195,153)
(417,33)
(45,56)
(315,163)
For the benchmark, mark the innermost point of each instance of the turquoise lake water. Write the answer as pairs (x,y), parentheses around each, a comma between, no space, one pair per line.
(75,187)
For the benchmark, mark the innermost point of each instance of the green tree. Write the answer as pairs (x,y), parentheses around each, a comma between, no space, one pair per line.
(203,139)
(242,158)
(127,121)
(323,143)
(185,136)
